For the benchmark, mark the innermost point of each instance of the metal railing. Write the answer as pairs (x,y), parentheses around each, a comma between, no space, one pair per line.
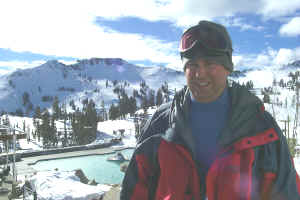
(29,194)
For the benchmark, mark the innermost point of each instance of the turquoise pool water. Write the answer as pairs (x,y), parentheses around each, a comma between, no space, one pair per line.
(94,166)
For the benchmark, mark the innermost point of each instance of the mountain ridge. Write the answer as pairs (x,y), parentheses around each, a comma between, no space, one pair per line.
(89,78)
(86,78)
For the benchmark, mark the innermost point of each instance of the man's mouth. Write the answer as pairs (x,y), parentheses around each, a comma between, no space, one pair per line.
(203,84)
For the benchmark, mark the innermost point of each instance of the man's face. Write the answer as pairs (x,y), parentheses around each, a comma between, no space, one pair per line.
(205,79)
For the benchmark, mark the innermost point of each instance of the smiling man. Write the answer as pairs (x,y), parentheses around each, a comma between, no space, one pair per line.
(214,141)
(205,79)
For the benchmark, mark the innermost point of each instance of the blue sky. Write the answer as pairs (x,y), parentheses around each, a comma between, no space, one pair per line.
(143,32)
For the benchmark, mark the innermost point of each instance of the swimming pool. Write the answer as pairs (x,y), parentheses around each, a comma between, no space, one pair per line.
(94,166)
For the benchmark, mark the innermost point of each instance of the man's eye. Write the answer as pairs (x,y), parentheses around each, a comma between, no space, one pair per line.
(191,65)
(211,65)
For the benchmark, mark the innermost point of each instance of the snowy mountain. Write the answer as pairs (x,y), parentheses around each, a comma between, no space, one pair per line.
(81,80)
(89,78)
(94,79)
(293,65)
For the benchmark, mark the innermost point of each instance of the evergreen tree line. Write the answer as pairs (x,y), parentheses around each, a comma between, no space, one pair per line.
(143,98)
(83,122)
(271,96)
(291,84)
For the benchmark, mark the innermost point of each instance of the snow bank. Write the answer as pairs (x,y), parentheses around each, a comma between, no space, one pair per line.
(64,185)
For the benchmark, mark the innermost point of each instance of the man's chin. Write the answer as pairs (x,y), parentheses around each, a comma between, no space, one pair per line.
(203,98)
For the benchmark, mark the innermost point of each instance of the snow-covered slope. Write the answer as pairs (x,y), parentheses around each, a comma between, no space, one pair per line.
(94,79)
(84,79)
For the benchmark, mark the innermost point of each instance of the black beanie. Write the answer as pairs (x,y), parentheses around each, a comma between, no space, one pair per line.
(201,51)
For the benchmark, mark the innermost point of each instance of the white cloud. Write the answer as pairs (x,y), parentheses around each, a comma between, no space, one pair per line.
(269,58)
(284,56)
(10,66)
(189,12)
(292,28)
(67,28)
(237,60)
(240,22)
(275,8)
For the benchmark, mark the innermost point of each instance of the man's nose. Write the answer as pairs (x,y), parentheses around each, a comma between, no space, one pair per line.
(201,71)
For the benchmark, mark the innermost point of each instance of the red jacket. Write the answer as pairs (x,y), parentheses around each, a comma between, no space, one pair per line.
(254,163)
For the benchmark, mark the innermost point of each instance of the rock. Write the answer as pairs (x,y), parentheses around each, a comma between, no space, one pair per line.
(124,166)
(83,179)
(93,182)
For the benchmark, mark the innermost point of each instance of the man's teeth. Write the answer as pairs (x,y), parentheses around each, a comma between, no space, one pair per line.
(203,83)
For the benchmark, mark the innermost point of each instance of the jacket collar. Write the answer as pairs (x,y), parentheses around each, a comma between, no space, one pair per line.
(245,118)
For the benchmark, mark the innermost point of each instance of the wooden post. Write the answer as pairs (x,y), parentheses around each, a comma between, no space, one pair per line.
(14,158)
(285,133)
(286,127)
(288,122)
(297,111)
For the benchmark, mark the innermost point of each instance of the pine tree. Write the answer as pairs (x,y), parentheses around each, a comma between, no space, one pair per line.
(143,88)
(38,130)
(136,93)
(115,82)
(24,126)
(65,118)
(45,128)
(91,122)
(37,113)
(36,118)
(76,126)
(6,122)
(124,104)
(132,105)
(103,115)
(25,98)
(266,98)
(151,101)
(53,131)
(29,108)
(56,109)
(72,104)
(85,102)
(166,91)
(84,123)
(144,103)
(281,83)
(19,112)
(159,97)
(113,112)
(249,85)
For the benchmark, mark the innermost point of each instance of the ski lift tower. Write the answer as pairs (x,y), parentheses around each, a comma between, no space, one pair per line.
(10,135)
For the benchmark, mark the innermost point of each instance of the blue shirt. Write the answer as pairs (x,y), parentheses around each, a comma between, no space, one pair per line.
(206,122)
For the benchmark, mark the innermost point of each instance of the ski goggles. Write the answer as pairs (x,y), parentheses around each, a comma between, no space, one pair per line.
(207,37)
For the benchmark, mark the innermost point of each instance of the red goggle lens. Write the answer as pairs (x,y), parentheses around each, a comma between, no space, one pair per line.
(208,37)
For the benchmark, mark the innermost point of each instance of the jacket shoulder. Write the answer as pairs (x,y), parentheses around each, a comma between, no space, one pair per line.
(272,122)
(157,124)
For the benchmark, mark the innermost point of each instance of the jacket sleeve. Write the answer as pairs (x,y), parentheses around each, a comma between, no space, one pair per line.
(141,175)
(281,181)
(157,124)
(139,181)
